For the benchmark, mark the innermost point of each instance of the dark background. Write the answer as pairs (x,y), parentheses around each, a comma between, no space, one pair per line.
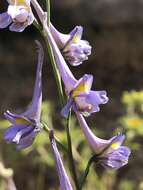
(114,29)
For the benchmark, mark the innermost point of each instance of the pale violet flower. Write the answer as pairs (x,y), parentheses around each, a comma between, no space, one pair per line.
(25,126)
(79,91)
(74,49)
(85,100)
(18,16)
(110,153)
(63,177)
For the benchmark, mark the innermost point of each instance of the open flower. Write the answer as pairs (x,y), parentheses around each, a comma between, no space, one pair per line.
(25,126)
(63,177)
(85,100)
(110,153)
(18,15)
(74,50)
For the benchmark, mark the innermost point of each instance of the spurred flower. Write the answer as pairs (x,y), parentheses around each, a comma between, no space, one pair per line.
(18,15)
(110,153)
(74,50)
(63,177)
(25,126)
(85,100)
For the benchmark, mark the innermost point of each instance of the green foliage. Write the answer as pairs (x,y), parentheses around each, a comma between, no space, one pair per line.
(37,161)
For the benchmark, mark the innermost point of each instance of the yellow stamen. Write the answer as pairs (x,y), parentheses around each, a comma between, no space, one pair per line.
(22,121)
(81,88)
(75,39)
(115,145)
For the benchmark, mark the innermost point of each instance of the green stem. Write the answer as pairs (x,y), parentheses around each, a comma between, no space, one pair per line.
(59,85)
(86,172)
(56,73)
(48,11)
(70,153)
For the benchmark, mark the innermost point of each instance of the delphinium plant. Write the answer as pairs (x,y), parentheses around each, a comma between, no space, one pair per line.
(75,95)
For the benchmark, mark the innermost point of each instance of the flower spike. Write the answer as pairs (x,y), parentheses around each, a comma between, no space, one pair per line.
(85,100)
(110,153)
(25,126)
(19,15)
(63,178)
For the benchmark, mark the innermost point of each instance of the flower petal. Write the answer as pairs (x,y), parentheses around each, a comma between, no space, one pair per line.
(27,140)
(63,177)
(66,108)
(5,20)
(11,132)
(17,27)
(95,98)
(22,133)
(116,159)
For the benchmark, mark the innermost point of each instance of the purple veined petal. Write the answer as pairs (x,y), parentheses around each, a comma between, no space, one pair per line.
(66,108)
(11,132)
(5,20)
(116,142)
(17,27)
(116,159)
(95,98)
(18,119)
(22,133)
(10,116)
(97,144)
(23,146)
(26,141)
(63,177)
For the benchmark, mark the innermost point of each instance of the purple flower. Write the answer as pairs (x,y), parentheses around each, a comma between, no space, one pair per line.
(74,50)
(18,15)
(25,126)
(63,177)
(85,100)
(110,153)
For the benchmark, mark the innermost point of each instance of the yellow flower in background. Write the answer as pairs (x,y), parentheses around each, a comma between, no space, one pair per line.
(134,122)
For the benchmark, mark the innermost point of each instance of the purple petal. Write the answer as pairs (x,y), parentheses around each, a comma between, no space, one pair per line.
(63,177)
(95,98)
(76,32)
(26,141)
(5,20)
(17,27)
(22,133)
(116,159)
(116,142)
(11,132)
(67,107)
(30,18)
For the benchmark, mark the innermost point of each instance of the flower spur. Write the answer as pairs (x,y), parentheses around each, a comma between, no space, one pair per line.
(25,126)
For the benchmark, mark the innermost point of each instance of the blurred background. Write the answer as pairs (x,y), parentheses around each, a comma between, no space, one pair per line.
(114,28)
